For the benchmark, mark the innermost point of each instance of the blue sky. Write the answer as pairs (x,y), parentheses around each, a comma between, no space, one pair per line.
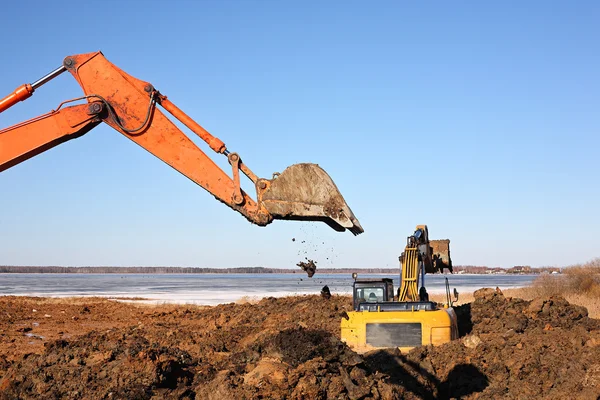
(479,119)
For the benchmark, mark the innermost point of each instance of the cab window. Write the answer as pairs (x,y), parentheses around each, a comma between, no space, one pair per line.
(370,295)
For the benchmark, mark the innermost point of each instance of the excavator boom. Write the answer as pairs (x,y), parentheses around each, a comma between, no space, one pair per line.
(129,105)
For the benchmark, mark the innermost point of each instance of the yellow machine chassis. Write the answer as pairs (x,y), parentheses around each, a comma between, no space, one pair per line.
(437,326)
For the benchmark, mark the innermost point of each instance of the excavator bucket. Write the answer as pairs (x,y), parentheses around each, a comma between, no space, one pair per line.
(440,250)
(306,192)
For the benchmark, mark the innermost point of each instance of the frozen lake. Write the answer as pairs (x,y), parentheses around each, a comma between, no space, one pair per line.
(210,289)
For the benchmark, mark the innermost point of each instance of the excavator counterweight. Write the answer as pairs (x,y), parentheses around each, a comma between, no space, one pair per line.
(130,106)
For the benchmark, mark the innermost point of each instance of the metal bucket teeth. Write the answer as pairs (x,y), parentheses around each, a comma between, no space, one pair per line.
(306,192)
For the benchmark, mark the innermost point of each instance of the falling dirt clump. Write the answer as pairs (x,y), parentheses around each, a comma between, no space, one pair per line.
(309,266)
(325,292)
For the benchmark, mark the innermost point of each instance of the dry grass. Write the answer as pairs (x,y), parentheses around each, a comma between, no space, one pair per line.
(591,303)
(581,279)
(463,298)
(581,299)
(578,284)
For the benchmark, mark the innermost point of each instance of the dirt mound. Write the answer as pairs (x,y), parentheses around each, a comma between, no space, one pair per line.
(511,348)
(492,312)
(298,364)
(289,348)
(115,364)
(278,348)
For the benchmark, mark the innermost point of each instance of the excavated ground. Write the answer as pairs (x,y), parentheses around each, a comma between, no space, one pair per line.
(288,348)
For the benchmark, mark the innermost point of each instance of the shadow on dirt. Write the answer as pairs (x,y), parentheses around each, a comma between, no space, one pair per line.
(462,380)
(463,316)
(170,374)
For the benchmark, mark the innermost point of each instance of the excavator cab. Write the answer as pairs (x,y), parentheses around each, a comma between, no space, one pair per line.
(372,291)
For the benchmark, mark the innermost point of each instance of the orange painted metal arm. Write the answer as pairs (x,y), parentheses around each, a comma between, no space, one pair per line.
(129,106)
(215,143)
(302,192)
(132,112)
(21,93)
(30,138)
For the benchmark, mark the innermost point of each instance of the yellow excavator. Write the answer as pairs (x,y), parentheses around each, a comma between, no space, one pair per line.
(408,319)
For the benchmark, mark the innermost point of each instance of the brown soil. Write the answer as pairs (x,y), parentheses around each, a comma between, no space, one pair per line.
(288,348)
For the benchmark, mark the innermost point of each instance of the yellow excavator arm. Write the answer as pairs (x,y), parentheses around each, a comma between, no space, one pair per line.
(421,256)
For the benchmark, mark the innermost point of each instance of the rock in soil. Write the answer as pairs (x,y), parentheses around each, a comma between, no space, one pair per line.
(325,292)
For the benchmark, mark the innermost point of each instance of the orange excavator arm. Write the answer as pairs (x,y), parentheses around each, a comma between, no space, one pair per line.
(129,105)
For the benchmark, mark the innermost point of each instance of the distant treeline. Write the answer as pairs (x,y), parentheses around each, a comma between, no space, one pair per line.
(182,270)
(517,269)
(254,270)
